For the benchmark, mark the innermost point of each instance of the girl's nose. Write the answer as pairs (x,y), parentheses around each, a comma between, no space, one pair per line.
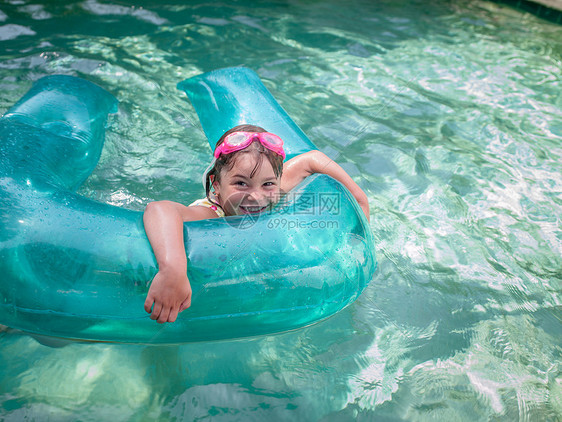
(256,196)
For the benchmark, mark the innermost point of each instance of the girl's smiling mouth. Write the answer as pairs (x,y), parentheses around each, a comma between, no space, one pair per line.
(252,209)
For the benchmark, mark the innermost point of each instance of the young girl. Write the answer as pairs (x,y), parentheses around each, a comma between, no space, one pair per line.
(247,176)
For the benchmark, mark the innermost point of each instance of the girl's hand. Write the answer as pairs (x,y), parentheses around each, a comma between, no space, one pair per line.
(170,291)
(169,294)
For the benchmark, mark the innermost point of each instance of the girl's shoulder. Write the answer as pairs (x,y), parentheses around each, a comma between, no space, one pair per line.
(204,202)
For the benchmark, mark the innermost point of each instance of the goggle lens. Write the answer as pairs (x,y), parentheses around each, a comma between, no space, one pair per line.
(237,139)
(272,139)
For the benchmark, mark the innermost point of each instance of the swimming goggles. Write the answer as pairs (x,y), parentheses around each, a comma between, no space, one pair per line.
(236,141)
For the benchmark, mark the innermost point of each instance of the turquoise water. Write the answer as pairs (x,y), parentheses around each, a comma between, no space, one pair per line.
(446,113)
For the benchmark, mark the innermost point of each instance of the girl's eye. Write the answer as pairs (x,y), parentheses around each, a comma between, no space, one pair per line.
(240,183)
(269,184)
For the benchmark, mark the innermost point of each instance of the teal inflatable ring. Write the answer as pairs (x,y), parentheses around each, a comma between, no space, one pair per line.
(78,269)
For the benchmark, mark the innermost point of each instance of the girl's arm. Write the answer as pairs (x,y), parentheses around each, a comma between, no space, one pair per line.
(298,168)
(170,291)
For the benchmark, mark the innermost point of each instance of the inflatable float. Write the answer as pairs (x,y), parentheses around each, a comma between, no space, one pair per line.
(74,268)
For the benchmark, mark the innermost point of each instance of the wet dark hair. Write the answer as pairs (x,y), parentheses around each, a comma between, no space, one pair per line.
(227,161)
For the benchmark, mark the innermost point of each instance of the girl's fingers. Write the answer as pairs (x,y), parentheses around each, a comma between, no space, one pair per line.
(164,314)
(185,304)
(173,315)
(156,311)
(148,304)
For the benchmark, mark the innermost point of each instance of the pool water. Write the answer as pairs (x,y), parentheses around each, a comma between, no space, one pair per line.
(448,115)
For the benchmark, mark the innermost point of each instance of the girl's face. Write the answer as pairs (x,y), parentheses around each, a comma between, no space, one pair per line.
(238,193)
